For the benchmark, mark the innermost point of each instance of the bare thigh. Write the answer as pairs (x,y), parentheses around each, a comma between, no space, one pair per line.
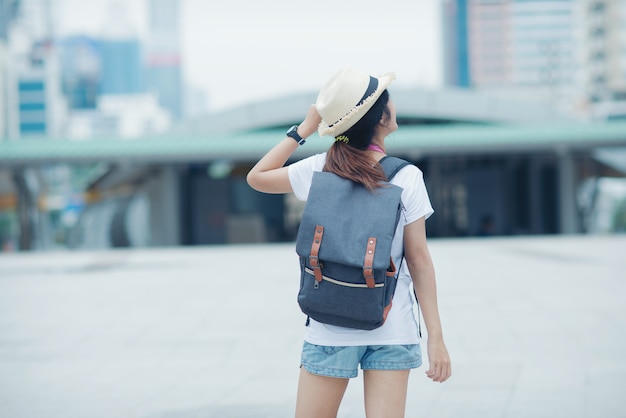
(319,396)
(385,393)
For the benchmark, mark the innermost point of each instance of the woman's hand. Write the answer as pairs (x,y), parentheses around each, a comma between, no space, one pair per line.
(270,175)
(420,265)
(440,367)
(310,123)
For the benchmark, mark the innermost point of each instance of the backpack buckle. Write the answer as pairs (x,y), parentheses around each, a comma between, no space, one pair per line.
(314,261)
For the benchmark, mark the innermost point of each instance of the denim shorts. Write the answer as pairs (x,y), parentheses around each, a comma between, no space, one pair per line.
(343,361)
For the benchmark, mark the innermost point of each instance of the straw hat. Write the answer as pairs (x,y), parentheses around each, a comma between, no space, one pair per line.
(346,97)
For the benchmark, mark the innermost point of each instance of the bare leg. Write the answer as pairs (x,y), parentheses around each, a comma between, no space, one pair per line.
(385,393)
(319,396)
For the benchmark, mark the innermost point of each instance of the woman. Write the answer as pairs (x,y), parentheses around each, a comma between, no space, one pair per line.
(355,109)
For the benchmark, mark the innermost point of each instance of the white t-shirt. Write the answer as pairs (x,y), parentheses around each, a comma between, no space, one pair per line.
(401,325)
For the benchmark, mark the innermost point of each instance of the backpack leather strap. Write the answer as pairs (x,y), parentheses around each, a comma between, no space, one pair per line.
(368,264)
(314,260)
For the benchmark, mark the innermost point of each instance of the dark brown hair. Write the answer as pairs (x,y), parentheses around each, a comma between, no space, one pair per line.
(350,159)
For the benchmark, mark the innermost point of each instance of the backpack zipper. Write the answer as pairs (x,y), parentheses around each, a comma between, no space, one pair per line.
(338,282)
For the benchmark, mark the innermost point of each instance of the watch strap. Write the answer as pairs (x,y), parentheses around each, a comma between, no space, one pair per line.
(293,133)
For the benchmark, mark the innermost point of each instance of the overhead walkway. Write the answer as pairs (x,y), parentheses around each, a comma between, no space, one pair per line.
(412,140)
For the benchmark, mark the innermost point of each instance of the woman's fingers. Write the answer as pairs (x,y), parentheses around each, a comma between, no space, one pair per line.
(439,371)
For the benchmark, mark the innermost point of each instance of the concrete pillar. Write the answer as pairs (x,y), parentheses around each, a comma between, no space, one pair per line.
(26,207)
(568,213)
(434,179)
(535,199)
(164,197)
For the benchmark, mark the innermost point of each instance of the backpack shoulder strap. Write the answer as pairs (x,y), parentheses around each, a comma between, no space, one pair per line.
(391,165)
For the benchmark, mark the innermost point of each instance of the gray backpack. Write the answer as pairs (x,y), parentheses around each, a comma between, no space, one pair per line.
(344,243)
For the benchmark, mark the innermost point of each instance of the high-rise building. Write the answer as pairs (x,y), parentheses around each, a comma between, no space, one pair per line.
(543,46)
(525,47)
(32,104)
(35,105)
(490,43)
(122,66)
(455,38)
(94,67)
(8,91)
(120,52)
(42,108)
(603,49)
(4,105)
(81,64)
(163,57)
(8,12)
(3,93)
(527,44)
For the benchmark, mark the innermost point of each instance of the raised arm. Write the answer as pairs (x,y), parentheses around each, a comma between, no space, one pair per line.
(422,272)
(269,175)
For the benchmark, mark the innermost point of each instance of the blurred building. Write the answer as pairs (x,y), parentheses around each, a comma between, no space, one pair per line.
(122,66)
(78,87)
(8,12)
(93,67)
(102,80)
(163,56)
(8,124)
(603,35)
(8,95)
(455,38)
(42,106)
(119,115)
(571,53)
(603,53)
(103,83)
(81,68)
(32,75)
(32,105)
(516,47)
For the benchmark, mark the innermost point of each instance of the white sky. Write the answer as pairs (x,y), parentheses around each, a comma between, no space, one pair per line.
(243,50)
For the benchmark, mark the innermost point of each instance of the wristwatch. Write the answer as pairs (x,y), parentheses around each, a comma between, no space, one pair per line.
(293,132)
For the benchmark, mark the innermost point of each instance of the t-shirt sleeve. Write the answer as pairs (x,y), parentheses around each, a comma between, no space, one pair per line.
(414,196)
(301,174)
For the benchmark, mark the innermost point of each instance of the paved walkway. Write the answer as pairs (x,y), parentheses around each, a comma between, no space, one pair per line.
(536,328)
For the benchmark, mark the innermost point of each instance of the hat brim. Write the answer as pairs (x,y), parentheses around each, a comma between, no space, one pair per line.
(356,113)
